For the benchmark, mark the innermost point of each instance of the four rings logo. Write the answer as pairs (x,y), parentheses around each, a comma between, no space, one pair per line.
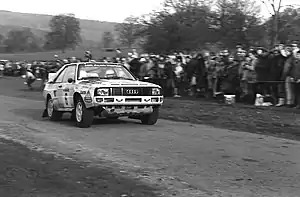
(132,91)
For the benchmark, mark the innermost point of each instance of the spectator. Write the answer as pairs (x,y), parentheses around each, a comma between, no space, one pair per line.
(292,75)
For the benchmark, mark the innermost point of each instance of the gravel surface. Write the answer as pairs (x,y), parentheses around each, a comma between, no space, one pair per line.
(173,158)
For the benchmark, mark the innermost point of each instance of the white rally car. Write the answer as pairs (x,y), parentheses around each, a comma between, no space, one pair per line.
(100,89)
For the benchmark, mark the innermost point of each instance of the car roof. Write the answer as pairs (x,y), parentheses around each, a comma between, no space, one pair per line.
(108,63)
(100,63)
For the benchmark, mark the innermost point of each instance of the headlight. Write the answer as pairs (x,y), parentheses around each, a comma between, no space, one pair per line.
(156,91)
(102,92)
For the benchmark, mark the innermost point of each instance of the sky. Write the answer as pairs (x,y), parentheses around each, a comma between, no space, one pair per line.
(103,10)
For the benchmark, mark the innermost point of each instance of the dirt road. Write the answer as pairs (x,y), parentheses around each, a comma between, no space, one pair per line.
(30,173)
(182,159)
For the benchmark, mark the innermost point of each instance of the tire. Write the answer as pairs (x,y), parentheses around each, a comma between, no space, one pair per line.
(53,114)
(84,117)
(150,119)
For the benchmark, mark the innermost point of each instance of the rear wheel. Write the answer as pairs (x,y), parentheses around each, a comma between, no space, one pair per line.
(84,116)
(150,119)
(53,114)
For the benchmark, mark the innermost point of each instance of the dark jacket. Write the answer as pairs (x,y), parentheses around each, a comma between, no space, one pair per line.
(135,66)
(292,68)
(262,67)
(276,66)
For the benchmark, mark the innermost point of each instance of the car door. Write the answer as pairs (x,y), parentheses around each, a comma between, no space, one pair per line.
(68,87)
(58,91)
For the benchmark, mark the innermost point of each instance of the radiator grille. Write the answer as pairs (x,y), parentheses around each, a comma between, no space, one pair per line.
(131,91)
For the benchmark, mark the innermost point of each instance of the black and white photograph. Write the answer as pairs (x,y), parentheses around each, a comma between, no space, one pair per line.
(150,98)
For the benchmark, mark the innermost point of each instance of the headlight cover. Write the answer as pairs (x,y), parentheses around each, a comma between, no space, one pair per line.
(156,92)
(102,92)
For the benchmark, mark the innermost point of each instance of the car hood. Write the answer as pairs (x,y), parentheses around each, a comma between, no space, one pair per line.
(117,83)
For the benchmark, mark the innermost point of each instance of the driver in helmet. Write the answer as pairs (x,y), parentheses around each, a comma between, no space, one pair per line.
(110,73)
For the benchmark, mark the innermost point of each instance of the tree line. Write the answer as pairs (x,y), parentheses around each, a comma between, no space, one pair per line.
(64,34)
(189,25)
(181,25)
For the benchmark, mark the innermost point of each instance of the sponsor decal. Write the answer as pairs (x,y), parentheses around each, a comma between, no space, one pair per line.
(88,98)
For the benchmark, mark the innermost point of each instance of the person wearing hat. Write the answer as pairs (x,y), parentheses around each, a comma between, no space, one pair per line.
(278,47)
(239,46)
(262,70)
(292,83)
(294,47)
(135,65)
(134,52)
(277,58)
(125,63)
(261,50)
(143,68)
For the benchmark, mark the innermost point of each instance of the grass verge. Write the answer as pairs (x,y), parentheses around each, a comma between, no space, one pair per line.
(279,122)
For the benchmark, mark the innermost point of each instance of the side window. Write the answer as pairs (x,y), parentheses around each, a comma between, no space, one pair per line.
(59,79)
(69,73)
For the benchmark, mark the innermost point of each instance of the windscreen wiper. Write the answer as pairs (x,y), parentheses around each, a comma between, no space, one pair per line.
(119,78)
(88,78)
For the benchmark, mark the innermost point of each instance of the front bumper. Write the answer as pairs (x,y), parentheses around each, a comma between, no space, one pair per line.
(126,100)
(110,111)
(124,105)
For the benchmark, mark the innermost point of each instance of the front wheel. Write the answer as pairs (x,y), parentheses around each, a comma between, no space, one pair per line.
(53,114)
(151,119)
(84,116)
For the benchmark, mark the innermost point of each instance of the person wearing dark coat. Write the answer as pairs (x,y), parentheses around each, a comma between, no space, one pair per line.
(262,69)
(135,65)
(196,72)
(292,74)
(277,61)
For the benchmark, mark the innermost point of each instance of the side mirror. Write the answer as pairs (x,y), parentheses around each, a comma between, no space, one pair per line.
(70,80)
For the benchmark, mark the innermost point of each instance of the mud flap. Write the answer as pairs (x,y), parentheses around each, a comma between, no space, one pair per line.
(45,113)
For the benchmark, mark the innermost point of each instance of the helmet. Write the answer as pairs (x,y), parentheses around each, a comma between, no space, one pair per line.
(109,72)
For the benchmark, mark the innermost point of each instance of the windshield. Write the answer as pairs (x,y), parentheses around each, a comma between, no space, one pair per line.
(103,71)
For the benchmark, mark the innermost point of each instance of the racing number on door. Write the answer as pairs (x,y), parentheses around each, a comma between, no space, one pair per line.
(66,99)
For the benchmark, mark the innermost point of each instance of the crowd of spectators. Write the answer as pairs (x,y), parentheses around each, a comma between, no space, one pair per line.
(273,74)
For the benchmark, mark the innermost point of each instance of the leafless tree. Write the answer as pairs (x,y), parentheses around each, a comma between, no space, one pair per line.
(275,7)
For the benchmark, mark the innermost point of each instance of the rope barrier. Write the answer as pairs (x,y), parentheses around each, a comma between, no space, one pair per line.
(275,82)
